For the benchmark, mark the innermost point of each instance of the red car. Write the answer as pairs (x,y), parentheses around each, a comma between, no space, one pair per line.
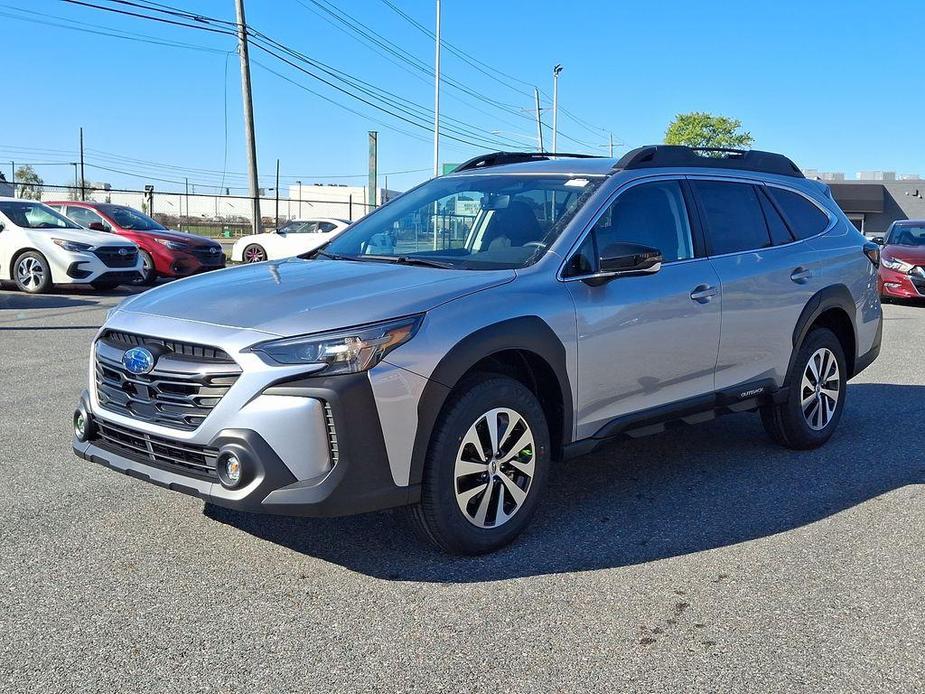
(902,261)
(164,252)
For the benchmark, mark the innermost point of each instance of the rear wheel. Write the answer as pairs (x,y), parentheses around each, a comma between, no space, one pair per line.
(818,382)
(486,467)
(31,273)
(254,253)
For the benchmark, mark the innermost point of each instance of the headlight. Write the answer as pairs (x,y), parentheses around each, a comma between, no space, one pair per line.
(174,245)
(896,264)
(343,351)
(73,246)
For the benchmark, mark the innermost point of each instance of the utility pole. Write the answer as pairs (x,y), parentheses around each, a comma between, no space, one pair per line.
(555,107)
(186,181)
(83,190)
(13,167)
(539,121)
(76,174)
(250,140)
(611,145)
(437,96)
(373,168)
(300,198)
(277,193)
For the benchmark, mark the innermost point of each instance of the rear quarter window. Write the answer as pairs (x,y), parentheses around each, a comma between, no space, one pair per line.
(803,217)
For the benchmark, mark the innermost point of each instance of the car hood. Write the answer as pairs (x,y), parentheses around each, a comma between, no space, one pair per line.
(190,239)
(295,296)
(911,254)
(95,238)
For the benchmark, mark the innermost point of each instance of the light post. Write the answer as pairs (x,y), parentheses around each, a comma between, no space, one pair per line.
(555,107)
(300,198)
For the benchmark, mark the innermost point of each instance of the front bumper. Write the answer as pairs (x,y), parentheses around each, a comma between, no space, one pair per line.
(900,285)
(358,481)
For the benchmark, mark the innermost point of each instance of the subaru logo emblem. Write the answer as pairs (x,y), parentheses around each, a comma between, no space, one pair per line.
(123,251)
(138,360)
(213,250)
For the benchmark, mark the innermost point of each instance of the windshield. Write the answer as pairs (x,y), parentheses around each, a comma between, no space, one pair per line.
(130,219)
(29,214)
(469,222)
(907,235)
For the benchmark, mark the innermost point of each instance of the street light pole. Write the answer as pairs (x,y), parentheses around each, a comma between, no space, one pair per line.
(555,107)
(248,115)
(437,96)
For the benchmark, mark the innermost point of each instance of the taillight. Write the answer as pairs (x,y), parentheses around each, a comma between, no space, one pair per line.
(872,251)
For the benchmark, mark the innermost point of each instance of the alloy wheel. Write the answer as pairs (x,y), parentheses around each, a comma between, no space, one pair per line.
(254,254)
(820,389)
(30,272)
(494,468)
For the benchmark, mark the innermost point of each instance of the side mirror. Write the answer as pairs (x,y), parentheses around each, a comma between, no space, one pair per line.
(626,260)
(97,226)
(879,240)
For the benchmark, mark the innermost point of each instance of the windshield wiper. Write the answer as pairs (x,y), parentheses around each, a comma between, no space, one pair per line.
(332,256)
(408,260)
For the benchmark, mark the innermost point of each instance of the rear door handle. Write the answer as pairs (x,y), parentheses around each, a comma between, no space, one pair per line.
(702,293)
(801,275)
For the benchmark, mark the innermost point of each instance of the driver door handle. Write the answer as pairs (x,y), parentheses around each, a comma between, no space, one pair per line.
(702,293)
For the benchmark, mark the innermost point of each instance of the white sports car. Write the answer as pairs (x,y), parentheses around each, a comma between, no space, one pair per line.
(40,247)
(293,238)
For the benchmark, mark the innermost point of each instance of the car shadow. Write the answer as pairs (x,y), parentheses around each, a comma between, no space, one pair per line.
(20,301)
(688,490)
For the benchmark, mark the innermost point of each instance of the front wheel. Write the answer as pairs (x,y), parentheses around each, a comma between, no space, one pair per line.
(486,467)
(254,253)
(148,271)
(818,382)
(31,273)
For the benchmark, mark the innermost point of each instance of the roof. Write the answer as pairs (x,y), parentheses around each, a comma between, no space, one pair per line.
(647,157)
(852,197)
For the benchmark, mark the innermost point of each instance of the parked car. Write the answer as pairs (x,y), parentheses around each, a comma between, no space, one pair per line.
(902,260)
(40,248)
(293,238)
(554,305)
(164,253)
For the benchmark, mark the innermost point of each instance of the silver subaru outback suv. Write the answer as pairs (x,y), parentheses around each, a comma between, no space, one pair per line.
(447,348)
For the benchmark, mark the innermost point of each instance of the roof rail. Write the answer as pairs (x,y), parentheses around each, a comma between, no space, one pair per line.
(499,158)
(652,156)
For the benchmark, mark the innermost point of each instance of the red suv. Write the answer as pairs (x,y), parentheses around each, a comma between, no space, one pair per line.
(164,252)
(902,260)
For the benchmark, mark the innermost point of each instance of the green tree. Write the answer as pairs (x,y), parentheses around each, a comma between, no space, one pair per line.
(29,183)
(700,129)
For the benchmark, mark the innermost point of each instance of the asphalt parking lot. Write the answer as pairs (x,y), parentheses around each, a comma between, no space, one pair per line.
(702,559)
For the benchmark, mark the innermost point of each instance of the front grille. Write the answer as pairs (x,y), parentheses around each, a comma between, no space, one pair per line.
(187,381)
(178,456)
(117,256)
(207,257)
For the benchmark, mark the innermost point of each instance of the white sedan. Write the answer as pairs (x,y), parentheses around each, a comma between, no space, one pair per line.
(40,247)
(294,238)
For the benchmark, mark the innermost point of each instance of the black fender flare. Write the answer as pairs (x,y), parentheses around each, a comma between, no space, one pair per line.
(833,296)
(527,333)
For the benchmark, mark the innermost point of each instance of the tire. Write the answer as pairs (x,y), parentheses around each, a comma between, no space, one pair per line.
(453,513)
(104,285)
(801,428)
(254,253)
(148,271)
(32,273)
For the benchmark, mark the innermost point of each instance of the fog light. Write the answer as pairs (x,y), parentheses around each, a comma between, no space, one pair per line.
(230,470)
(83,426)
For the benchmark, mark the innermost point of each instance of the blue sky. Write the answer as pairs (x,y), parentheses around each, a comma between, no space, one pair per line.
(835,85)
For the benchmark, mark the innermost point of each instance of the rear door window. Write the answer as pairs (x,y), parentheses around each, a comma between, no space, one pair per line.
(732,215)
(804,218)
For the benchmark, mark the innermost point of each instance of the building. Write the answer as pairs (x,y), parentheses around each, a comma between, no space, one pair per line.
(876,199)
(6,188)
(315,200)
